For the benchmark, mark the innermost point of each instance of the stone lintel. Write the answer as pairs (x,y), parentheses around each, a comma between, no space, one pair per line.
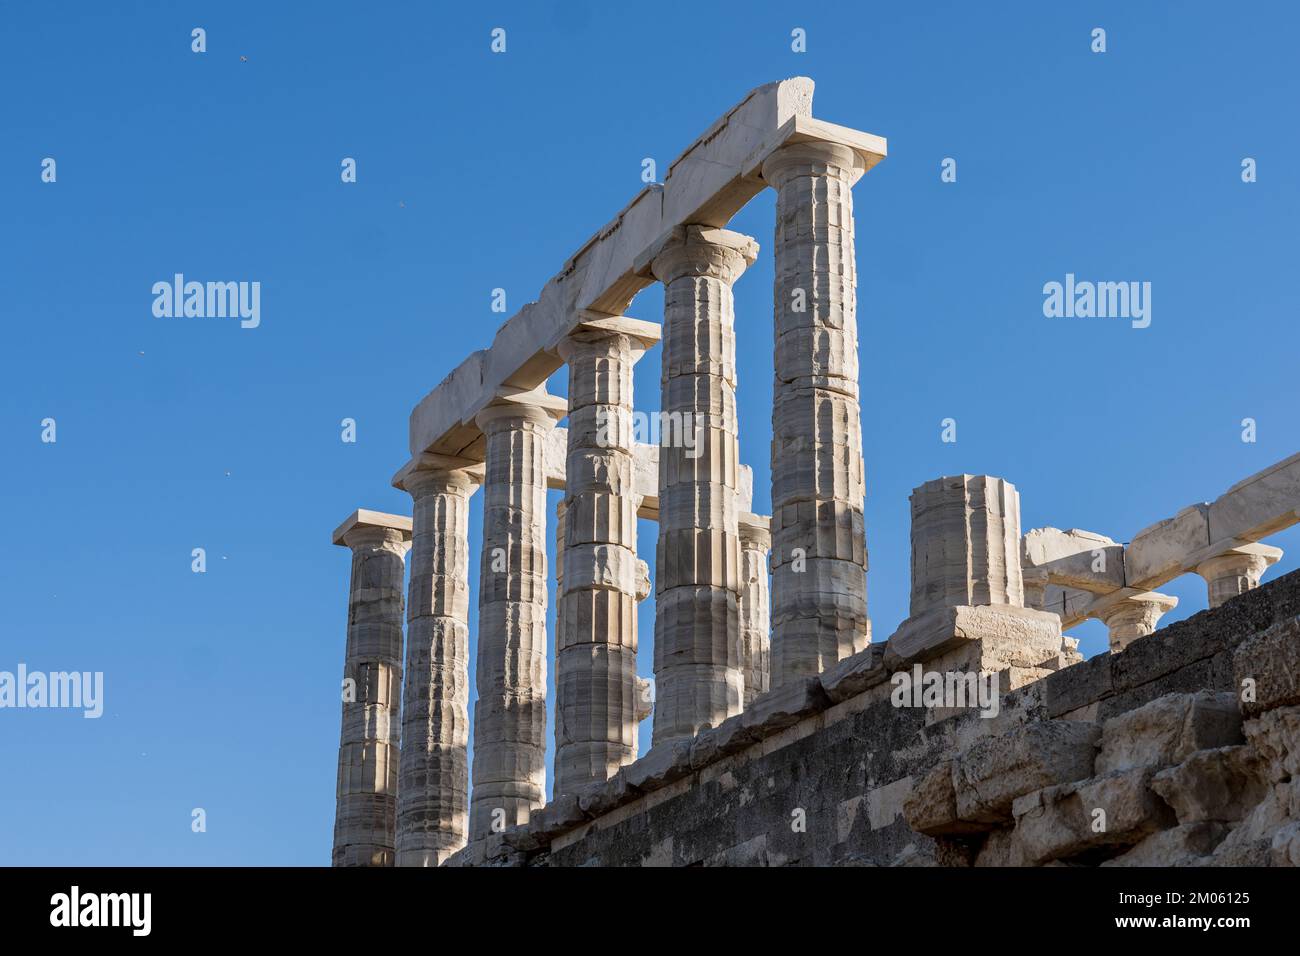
(1069,558)
(708,184)
(1020,633)
(363,518)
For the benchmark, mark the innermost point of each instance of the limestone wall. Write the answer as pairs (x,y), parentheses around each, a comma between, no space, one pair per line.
(827,771)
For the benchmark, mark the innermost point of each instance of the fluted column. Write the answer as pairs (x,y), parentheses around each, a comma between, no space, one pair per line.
(819,559)
(698,679)
(1136,616)
(595,681)
(755,621)
(965,543)
(1237,571)
(433,791)
(509,767)
(365,820)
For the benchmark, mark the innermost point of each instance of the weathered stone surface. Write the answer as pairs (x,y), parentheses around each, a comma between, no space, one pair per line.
(1133,616)
(1062,822)
(562,813)
(1220,785)
(597,695)
(1184,845)
(1236,571)
(698,642)
(856,674)
(365,822)
(509,768)
(1275,737)
(1168,730)
(785,705)
(965,543)
(819,554)
(665,763)
(856,769)
(1250,842)
(433,780)
(731,736)
(1271,663)
(716,175)
(1074,559)
(1000,848)
(1285,847)
(1011,636)
(931,807)
(755,618)
(993,772)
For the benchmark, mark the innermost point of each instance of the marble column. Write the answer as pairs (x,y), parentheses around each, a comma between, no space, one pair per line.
(596,647)
(966,543)
(819,559)
(1138,615)
(755,540)
(365,820)
(509,768)
(698,678)
(433,790)
(1237,571)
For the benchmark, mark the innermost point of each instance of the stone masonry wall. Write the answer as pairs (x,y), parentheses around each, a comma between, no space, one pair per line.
(827,771)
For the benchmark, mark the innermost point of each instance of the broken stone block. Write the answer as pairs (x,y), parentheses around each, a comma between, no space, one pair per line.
(1004,636)
(1001,848)
(1220,785)
(1275,735)
(599,799)
(785,705)
(994,771)
(562,813)
(856,674)
(1270,662)
(931,807)
(1184,845)
(1117,809)
(666,762)
(1250,842)
(1168,730)
(1285,848)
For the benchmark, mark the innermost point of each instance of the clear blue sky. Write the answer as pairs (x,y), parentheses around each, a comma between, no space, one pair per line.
(479,171)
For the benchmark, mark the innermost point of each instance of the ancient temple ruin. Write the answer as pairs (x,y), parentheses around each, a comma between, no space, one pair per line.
(775,738)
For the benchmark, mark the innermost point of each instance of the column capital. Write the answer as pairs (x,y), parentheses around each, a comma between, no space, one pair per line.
(812,158)
(1134,616)
(701,251)
(755,530)
(523,405)
(1237,570)
(429,474)
(1249,559)
(364,527)
(599,329)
